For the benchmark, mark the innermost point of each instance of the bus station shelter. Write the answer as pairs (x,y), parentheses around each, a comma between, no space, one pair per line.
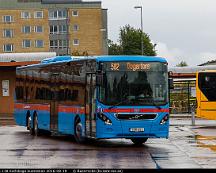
(183,95)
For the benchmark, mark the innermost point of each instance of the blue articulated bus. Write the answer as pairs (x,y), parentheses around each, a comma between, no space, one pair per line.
(100,97)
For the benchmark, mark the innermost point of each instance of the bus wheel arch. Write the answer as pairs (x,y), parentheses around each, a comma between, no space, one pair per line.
(78,129)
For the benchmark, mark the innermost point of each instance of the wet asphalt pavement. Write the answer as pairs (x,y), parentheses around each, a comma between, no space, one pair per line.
(187,147)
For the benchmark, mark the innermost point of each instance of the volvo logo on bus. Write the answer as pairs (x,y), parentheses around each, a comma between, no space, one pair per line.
(137,116)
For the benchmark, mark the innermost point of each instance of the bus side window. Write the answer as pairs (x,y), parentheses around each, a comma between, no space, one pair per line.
(61,95)
(74,96)
(48,94)
(27,93)
(38,94)
(19,92)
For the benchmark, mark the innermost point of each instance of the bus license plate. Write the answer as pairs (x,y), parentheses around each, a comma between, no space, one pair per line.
(136,129)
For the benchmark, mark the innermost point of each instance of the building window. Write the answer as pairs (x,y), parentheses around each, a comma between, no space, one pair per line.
(62,14)
(26,29)
(54,44)
(62,28)
(63,44)
(58,14)
(75,27)
(25,15)
(53,15)
(58,44)
(58,29)
(39,43)
(8,33)
(38,14)
(76,42)
(8,18)
(8,48)
(26,43)
(53,29)
(38,29)
(74,13)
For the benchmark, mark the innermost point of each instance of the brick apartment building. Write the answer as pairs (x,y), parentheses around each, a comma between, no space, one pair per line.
(64,27)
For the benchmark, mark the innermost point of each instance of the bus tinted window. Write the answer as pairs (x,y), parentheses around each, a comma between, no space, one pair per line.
(137,83)
(207,84)
(19,92)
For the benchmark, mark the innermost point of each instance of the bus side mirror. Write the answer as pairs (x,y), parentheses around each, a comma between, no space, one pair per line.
(171,84)
(99,79)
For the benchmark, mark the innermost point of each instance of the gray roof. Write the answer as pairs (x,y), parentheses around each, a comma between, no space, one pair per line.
(20,57)
(213,62)
(192,69)
(60,1)
(28,4)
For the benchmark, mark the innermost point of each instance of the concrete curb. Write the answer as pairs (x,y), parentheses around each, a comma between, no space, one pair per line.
(180,117)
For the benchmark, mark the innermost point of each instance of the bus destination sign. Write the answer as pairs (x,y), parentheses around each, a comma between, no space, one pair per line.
(130,66)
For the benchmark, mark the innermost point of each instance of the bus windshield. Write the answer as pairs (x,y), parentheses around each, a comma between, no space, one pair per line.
(134,83)
(207,84)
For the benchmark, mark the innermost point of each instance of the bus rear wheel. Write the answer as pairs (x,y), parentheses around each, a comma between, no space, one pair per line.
(139,141)
(28,124)
(78,131)
(36,129)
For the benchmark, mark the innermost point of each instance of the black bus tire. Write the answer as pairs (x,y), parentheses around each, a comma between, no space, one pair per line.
(35,126)
(32,131)
(28,122)
(139,141)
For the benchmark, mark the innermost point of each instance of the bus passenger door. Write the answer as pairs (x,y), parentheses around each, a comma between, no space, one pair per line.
(90,105)
(54,105)
(53,116)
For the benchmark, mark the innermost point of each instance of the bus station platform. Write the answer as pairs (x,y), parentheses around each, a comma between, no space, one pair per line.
(181,115)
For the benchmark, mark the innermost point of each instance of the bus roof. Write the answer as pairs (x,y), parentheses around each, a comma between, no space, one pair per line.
(207,71)
(107,58)
(130,58)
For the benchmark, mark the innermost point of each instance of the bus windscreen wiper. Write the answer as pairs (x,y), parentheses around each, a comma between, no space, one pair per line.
(149,100)
(157,106)
(125,100)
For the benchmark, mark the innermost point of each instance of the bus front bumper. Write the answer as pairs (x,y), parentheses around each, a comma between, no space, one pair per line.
(132,129)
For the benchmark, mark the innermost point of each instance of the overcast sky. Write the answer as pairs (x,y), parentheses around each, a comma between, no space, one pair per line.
(182,29)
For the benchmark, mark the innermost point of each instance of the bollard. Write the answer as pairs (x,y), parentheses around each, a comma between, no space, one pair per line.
(193,118)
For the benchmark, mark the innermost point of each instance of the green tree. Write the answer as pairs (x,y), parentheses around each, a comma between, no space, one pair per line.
(130,43)
(182,64)
(114,49)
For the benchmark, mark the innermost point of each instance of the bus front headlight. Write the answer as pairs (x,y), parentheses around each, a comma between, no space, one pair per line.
(104,118)
(164,119)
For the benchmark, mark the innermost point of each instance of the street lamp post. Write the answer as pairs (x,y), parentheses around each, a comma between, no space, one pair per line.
(140,7)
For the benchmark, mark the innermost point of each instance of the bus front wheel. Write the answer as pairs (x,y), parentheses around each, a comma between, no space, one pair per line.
(139,141)
(78,131)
